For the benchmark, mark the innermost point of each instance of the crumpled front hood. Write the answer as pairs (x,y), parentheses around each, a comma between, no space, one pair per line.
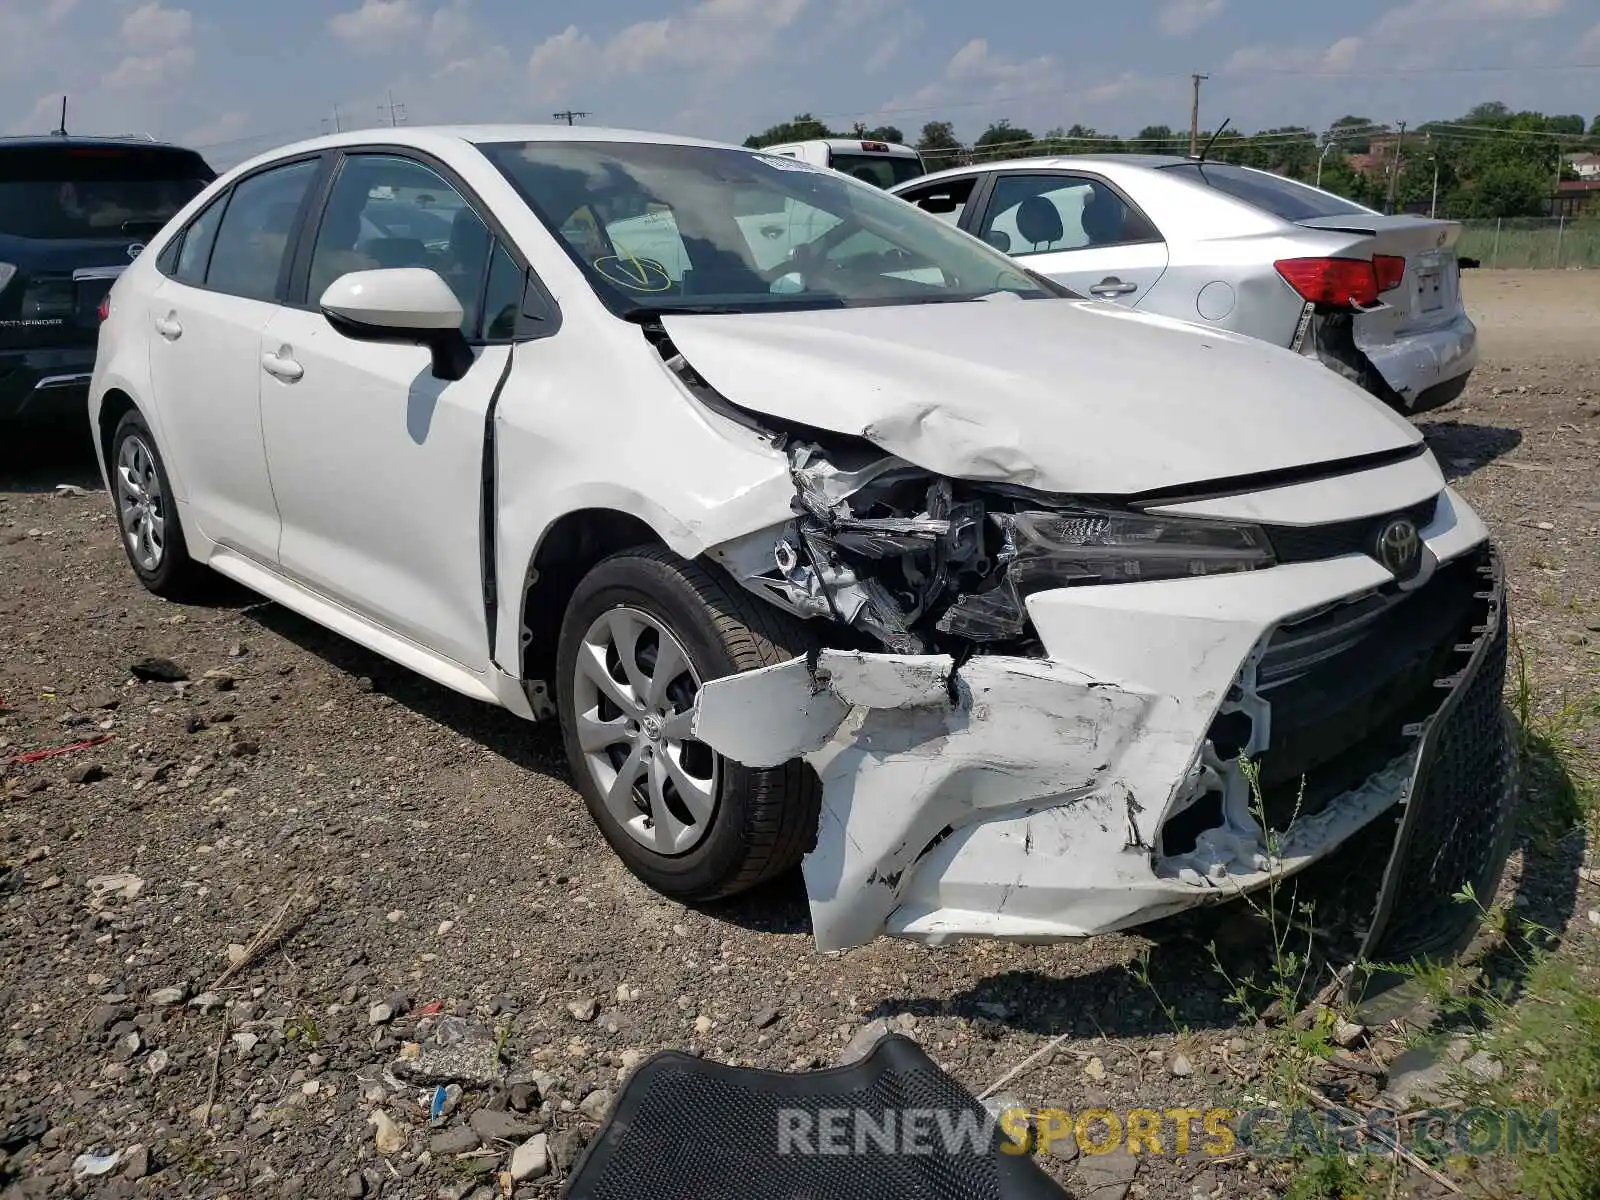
(1052,394)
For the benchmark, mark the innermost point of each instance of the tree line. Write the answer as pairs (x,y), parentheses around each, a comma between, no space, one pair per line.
(1490,162)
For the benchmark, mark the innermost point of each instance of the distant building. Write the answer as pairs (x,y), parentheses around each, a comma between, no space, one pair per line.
(1577,198)
(1587,165)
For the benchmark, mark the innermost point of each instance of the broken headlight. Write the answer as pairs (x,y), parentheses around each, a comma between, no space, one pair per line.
(1082,545)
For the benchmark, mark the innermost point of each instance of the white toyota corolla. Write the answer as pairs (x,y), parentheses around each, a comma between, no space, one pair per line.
(871,549)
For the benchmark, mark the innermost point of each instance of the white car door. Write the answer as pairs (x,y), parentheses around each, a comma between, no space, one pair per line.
(205,355)
(1077,230)
(376,462)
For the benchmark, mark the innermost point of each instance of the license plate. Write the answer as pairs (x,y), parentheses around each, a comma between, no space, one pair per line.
(1430,291)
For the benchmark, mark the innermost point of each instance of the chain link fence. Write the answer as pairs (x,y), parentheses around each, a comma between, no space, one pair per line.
(1531,242)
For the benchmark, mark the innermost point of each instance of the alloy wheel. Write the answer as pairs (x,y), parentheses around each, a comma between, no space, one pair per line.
(140,503)
(634,698)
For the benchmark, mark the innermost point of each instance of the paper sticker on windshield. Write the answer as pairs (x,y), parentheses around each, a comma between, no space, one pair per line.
(635,274)
(788,164)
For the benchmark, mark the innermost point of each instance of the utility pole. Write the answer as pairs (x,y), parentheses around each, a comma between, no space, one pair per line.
(1433,205)
(62,131)
(397,112)
(569,116)
(337,127)
(1327,145)
(1394,172)
(1194,116)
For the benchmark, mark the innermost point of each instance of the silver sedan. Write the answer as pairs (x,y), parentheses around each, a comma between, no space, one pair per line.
(1376,298)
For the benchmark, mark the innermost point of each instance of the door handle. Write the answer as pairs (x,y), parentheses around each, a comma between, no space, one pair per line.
(1112,286)
(169,327)
(281,366)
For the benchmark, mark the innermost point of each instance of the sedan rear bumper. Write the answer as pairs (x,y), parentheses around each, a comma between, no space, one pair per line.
(46,385)
(1421,364)
(1104,786)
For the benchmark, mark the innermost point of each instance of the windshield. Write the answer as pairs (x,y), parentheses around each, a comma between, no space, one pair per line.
(1283,198)
(881,170)
(661,227)
(60,194)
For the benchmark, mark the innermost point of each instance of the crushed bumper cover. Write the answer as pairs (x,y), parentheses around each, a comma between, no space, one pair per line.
(1420,362)
(1099,787)
(1413,372)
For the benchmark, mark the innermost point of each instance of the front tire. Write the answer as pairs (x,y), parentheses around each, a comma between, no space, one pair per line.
(643,631)
(147,515)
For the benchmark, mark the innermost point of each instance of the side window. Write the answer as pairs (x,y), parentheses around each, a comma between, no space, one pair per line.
(194,250)
(1039,214)
(253,236)
(502,301)
(947,200)
(387,211)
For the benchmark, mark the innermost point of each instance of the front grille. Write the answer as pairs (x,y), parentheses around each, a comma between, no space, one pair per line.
(1457,825)
(1349,685)
(1313,543)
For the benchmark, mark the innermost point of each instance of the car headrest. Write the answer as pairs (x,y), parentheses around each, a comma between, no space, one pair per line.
(1039,221)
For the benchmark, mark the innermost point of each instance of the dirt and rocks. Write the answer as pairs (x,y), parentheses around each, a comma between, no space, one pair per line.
(294,922)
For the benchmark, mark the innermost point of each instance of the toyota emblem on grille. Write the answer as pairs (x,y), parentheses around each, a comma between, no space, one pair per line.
(1399,547)
(136,249)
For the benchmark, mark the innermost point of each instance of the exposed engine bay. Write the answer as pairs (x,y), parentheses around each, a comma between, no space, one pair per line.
(923,564)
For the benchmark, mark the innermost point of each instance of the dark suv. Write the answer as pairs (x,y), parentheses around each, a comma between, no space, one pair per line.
(74,212)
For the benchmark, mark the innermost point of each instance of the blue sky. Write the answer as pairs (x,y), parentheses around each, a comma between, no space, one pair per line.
(240,78)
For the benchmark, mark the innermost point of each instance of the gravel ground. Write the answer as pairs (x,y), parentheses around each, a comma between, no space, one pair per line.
(420,870)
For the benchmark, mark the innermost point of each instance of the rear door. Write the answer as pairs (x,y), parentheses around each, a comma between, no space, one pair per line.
(72,217)
(1078,230)
(205,324)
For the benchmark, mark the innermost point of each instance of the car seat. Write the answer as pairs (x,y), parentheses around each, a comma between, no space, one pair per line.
(1104,216)
(1039,222)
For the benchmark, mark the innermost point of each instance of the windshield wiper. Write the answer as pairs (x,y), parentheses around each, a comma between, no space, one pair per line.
(644,314)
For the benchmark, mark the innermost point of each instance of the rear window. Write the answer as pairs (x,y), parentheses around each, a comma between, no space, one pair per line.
(65,193)
(882,169)
(1281,197)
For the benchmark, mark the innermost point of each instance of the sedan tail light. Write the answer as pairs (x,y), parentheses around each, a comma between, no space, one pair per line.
(1391,270)
(1336,282)
(104,310)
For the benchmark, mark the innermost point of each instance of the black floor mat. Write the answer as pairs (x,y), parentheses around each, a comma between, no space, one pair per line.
(890,1126)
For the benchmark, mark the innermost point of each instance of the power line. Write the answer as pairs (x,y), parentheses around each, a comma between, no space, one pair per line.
(569,116)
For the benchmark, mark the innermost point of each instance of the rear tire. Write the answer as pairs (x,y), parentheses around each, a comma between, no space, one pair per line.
(147,515)
(749,824)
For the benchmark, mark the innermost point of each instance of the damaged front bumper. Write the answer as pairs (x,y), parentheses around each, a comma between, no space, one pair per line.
(1135,768)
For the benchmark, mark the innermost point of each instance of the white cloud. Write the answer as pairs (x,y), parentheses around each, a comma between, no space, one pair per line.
(716,37)
(558,63)
(1420,16)
(159,49)
(1180,17)
(1589,43)
(151,29)
(30,34)
(377,24)
(452,28)
(222,129)
(730,34)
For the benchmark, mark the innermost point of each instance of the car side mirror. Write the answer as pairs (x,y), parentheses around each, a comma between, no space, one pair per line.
(945,203)
(999,239)
(401,304)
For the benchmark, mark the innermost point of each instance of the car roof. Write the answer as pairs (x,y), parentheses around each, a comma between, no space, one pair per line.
(54,141)
(436,137)
(1057,162)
